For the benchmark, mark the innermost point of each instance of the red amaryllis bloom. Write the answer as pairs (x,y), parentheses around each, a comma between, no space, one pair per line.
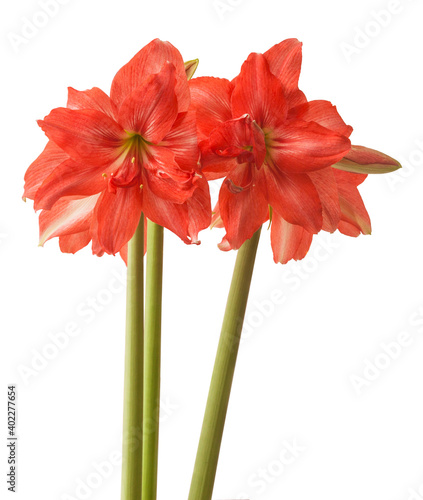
(109,159)
(281,156)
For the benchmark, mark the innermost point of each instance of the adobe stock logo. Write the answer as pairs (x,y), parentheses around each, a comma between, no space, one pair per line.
(222,7)
(389,351)
(32,25)
(411,164)
(264,477)
(363,35)
(416,495)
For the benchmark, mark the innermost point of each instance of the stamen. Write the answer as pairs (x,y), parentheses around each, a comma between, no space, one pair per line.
(133,159)
(104,175)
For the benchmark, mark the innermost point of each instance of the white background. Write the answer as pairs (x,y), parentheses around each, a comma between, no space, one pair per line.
(293,381)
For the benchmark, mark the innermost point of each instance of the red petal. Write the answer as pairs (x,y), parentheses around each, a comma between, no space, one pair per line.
(259,94)
(182,141)
(224,245)
(149,61)
(86,135)
(323,113)
(198,209)
(214,166)
(295,198)
(354,216)
(165,179)
(325,183)
(285,62)
(91,99)
(68,216)
(117,217)
(211,99)
(242,203)
(42,167)
(69,179)
(186,220)
(300,147)
(349,178)
(240,138)
(288,240)
(152,108)
(71,243)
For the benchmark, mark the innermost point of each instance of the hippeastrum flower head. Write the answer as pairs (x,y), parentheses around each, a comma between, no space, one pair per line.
(280,154)
(109,159)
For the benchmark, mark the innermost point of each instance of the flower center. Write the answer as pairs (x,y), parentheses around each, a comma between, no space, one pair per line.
(127,170)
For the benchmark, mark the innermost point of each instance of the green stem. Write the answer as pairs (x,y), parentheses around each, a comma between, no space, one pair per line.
(134,366)
(153,313)
(220,387)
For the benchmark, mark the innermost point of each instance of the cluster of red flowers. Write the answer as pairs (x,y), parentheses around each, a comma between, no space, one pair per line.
(151,147)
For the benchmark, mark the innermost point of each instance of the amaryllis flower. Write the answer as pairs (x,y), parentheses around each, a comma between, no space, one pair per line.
(109,159)
(281,156)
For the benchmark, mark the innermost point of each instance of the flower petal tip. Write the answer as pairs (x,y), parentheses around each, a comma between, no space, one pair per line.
(224,245)
(191,67)
(362,160)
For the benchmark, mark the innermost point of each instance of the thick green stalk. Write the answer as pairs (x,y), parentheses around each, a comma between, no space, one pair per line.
(153,314)
(134,369)
(220,387)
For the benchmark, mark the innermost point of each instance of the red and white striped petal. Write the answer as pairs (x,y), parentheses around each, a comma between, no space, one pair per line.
(295,198)
(117,216)
(86,135)
(242,204)
(325,182)
(259,94)
(93,98)
(211,100)
(299,146)
(72,243)
(51,157)
(354,216)
(165,179)
(323,113)
(69,179)
(152,108)
(68,216)
(149,61)
(187,219)
(182,141)
(285,63)
(288,241)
